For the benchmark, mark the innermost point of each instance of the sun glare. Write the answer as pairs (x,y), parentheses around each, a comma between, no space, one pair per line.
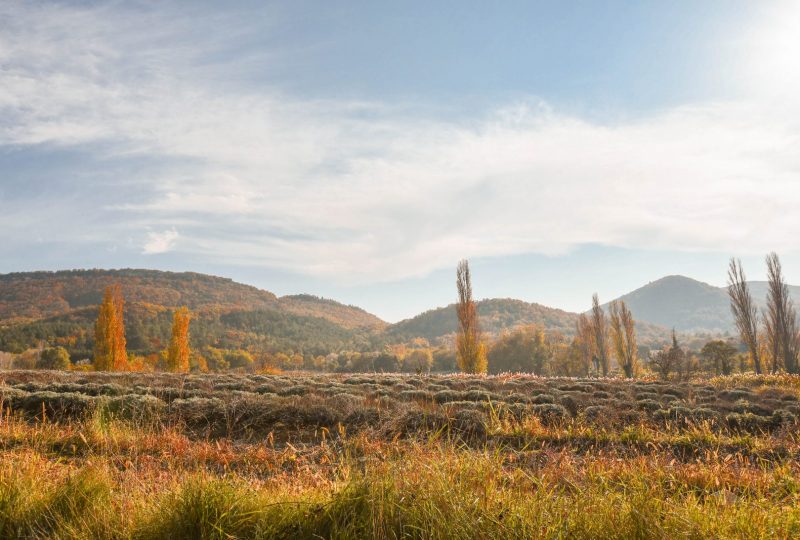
(774,50)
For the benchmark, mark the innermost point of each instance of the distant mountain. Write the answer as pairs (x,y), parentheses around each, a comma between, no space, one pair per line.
(689,305)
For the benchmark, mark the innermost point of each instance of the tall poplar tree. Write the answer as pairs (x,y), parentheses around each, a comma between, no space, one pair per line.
(178,351)
(110,353)
(623,336)
(600,328)
(470,349)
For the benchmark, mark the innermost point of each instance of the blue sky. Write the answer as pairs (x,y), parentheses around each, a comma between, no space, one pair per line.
(358,150)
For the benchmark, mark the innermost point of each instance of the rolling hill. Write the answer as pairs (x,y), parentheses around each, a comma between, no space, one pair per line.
(689,305)
(495,314)
(499,314)
(60,307)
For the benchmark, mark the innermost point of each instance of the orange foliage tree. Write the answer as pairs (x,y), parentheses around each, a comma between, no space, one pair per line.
(110,352)
(178,352)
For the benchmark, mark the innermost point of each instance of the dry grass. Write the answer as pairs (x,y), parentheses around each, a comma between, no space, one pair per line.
(109,476)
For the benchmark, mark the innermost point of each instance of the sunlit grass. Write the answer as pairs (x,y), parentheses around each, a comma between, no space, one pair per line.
(103,476)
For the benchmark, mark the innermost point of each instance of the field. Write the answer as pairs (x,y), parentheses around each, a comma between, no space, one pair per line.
(101,455)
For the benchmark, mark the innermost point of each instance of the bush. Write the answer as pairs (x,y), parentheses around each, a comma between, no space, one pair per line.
(415,395)
(469,425)
(445,396)
(54,358)
(549,413)
(362,417)
(649,405)
(56,406)
(418,422)
(749,422)
(135,407)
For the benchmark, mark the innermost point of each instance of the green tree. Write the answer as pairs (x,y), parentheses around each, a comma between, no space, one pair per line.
(524,350)
(418,361)
(54,358)
(720,355)
(444,360)
(239,359)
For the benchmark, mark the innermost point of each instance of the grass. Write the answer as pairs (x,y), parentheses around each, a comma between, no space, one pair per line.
(119,476)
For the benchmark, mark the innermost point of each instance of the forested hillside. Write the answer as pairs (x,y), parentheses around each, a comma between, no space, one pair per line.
(37,295)
(59,308)
(495,314)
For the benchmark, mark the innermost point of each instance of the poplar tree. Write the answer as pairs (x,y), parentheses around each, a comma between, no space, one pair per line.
(470,349)
(600,329)
(744,311)
(623,335)
(178,351)
(110,352)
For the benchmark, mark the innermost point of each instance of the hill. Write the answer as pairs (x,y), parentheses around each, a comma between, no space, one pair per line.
(60,307)
(345,316)
(495,314)
(499,314)
(38,295)
(689,305)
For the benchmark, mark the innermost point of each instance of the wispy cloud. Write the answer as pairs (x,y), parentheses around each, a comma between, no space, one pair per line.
(369,191)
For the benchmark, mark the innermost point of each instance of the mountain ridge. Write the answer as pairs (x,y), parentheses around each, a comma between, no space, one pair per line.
(60,303)
(690,305)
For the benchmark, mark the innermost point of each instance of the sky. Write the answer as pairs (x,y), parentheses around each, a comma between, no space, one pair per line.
(359,150)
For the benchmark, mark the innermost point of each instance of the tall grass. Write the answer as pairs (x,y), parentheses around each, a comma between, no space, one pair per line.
(109,476)
(425,490)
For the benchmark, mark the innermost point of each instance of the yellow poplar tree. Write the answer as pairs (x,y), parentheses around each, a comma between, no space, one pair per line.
(110,353)
(178,351)
(470,349)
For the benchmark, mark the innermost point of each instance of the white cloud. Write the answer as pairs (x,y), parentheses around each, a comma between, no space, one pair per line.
(160,242)
(365,191)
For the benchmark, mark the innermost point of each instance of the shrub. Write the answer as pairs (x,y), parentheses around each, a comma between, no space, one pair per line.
(135,407)
(296,390)
(570,404)
(743,406)
(469,425)
(362,417)
(549,413)
(749,422)
(448,395)
(54,358)
(68,405)
(595,412)
(649,405)
(418,422)
(415,395)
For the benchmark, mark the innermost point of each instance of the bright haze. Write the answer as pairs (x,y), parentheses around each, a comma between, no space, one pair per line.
(358,150)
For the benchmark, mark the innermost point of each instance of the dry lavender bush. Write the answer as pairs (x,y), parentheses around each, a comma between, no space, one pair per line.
(131,455)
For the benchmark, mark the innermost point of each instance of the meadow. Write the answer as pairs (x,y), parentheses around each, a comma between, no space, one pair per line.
(140,456)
